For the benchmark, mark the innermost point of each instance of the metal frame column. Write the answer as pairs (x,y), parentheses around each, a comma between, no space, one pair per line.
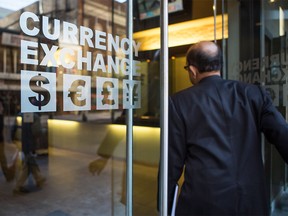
(164,78)
(129,121)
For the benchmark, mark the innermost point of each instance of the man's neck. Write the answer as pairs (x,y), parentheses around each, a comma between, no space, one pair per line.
(208,74)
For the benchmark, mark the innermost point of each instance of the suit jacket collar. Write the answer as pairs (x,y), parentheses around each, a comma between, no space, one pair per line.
(210,79)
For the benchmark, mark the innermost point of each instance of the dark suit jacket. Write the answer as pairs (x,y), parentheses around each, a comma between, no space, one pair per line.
(214,132)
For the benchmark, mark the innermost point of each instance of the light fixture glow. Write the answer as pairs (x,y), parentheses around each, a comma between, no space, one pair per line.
(60,124)
(183,33)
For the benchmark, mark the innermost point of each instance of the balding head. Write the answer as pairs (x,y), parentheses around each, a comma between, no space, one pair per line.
(206,56)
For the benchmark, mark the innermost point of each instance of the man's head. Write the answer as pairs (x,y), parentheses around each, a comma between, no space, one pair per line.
(203,59)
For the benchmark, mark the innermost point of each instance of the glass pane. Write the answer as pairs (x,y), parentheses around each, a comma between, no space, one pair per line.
(64,89)
(275,79)
(257,53)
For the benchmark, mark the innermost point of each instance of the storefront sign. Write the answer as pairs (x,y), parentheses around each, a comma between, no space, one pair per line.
(38,89)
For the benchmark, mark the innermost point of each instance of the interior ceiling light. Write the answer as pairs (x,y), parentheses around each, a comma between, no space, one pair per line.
(184,33)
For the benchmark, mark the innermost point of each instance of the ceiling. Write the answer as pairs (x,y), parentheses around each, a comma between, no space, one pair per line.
(184,33)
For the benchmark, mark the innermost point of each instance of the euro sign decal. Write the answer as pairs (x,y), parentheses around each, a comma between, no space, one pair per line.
(106,92)
(43,95)
(76,93)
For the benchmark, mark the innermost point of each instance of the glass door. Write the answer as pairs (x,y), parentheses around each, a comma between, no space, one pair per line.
(84,86)
(257,53)
(79,109)
(274,78)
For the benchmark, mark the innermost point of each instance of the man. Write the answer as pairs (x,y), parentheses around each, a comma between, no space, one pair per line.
(8,171)
(30,134)
(215,133)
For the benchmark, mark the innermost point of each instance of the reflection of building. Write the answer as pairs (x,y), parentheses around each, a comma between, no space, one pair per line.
(68,11)
(253,35)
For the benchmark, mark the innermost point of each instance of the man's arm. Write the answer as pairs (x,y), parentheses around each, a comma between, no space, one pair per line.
(176,151)
(274,126)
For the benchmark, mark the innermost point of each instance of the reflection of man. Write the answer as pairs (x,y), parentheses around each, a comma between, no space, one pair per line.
(105,151)
(8,173)
(31,132)
(215,132)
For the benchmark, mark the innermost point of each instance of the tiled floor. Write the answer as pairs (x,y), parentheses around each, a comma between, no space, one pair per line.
(71,190)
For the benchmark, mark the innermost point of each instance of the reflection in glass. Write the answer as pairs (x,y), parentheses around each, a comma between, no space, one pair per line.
(76,166)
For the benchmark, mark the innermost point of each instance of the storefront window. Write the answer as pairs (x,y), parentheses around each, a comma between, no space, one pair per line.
(64,91)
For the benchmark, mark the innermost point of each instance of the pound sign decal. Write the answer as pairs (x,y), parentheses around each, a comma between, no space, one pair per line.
(106,93)
(43,97)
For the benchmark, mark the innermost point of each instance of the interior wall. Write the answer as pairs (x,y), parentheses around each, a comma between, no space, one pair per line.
(204,8)
(180,76)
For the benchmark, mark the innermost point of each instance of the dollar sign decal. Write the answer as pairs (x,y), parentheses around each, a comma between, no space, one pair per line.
(43,94)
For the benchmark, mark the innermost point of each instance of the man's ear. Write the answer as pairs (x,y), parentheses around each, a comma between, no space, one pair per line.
(193,71)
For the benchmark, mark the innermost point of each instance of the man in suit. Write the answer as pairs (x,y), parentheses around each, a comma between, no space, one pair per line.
(215,137)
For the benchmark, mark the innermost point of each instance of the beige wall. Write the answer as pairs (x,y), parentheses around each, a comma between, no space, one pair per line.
(106,140)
